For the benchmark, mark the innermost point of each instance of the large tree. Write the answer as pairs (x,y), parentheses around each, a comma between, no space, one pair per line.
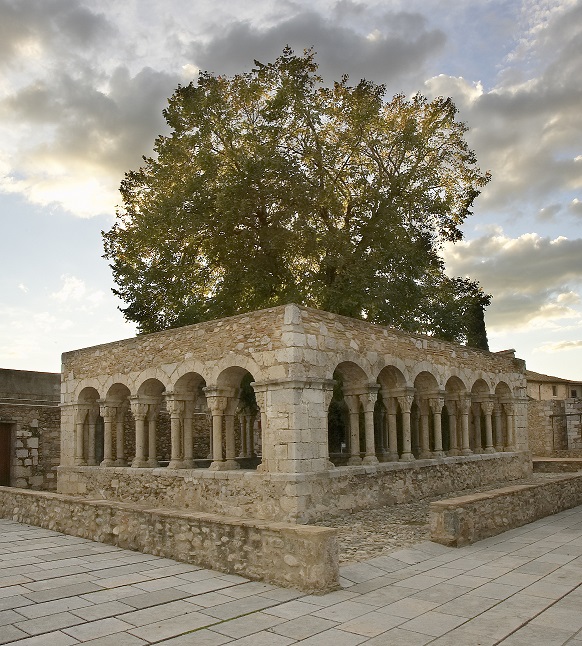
(273,188)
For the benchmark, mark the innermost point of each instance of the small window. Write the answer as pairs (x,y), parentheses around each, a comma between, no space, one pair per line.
(574,393)
(554,390)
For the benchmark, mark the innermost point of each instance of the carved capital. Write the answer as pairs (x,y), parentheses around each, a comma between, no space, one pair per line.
(139,409)
(509,408)
(406,402)
(176,407)
(368,399)
(488,407)
(436,404)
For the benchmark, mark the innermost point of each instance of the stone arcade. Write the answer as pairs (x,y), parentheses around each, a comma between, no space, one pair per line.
(323,413)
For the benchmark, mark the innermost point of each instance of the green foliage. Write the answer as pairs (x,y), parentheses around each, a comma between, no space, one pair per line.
(273,188)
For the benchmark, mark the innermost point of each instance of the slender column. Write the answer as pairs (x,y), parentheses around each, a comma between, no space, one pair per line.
(152,439)
(267,447)
(392,428)
(120,437)
(242,423)
(406,402)
(509,415)
(498,427)
(464,408)
(368,401)
(82,413)
(92,420)
(140,411)
(353,403)
(424,430)
(250,433)
(453,438)
(176,409)
(188,437)
(487,407)
(217,404)
(108,413)
(436,405)
(231,462)
(477,426)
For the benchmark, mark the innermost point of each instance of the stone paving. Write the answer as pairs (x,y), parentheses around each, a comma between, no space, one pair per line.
(523,587)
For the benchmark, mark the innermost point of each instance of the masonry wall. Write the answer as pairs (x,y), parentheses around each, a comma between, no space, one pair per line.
(555,427)
(297,498)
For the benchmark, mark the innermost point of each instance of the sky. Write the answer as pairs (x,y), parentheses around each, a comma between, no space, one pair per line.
(82,89)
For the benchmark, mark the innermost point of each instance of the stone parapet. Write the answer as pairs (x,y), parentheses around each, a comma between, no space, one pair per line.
(293,497)
(467,519)
(283,554)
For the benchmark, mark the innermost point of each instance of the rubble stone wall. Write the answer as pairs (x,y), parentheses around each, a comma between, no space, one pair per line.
(282,554)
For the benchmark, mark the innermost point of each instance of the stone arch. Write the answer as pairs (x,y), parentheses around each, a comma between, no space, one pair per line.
(195,420)
(480,393)
(89,442)
(503,398)
(152,424)
(455,392)
(119,441)
(392,384)
(426,417)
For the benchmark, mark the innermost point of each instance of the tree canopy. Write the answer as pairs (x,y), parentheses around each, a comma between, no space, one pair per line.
(273,187)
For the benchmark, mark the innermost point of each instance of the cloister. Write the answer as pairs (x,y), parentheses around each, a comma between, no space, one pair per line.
(289,390)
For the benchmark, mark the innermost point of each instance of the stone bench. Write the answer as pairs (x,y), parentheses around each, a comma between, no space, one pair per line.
(284,554)
(461,521)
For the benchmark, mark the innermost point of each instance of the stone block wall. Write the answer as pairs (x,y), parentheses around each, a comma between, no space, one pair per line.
(573,412)
(296,498)
(282,554)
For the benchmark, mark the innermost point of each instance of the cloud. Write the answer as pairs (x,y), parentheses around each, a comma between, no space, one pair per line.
(354,39)
(75,290)
(534,280)
(560,346)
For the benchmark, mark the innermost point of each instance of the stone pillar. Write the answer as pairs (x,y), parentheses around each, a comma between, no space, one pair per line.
(250,433)
(153,409)
(139,411)
(176,409)
(498,427)
(406,402)
(120,460)
(453,437)
(476,407)
(217,401)
(509,416)
(92,421)
(436,405)
(391,409)
(242,423)
(353,403)
(424,408)
(80,416)
(487,407)
(108,413)
(368,402)
(187,438)
(464,409)
(231,407)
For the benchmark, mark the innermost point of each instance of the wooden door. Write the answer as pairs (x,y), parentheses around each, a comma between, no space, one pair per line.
(5,454)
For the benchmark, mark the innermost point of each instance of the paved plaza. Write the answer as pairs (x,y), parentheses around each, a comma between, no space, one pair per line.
(523,587)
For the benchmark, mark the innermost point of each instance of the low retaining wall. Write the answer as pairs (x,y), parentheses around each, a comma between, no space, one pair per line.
(288,497)
(557,465)
(297,556)
(467,519)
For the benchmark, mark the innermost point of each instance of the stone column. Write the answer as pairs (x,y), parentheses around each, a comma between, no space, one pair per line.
(436,405)
(153,410)
(80,416)
(139,410)
(176,409)
(498,427)
(424,408)
(391,409)
(487,407)
(267,451)
(509,416)
(453,438)
(406,402)
(242,423)
(250,433)
(92,421)
(353,402)
(120,460)
(464,408)
(476,407)
(108,413)
(368,402)
(229,412)
(217,402)
(188,439)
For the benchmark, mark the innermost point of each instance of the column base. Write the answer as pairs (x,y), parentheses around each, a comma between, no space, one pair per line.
(354,460)
(392,457)
(79,462)
(231,464)
(438,454)
(425,455)
(107,463)
(120,462)
(489,449)
(176,464)
(466,452)
(407,457)
(370,459)
(188,464)
(152,464)
(499,449)
(217,466)
(453,452)
(139,464)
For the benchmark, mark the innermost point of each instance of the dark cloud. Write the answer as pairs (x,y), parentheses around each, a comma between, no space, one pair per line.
(531,277)
(382,47)
(54,24)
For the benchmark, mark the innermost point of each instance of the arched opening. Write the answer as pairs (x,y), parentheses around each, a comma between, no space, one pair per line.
(452,422)
(152,425)
(338,424)
(427,428)
(195,422)
(121,441)
(479,394)
(392,385)
(89,436)
(503,399)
